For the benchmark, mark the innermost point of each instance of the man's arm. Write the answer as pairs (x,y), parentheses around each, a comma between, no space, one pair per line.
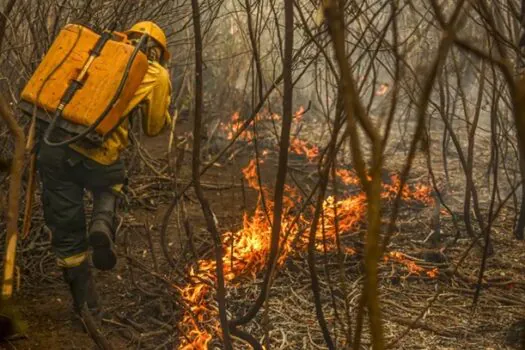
(157,101)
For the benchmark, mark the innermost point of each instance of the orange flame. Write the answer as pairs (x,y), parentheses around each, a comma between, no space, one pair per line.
(234,127)
(245,252)
(300,147)
(422,193)
(298,115)
(250,174)
(383,89)
(412,267)
(347,177)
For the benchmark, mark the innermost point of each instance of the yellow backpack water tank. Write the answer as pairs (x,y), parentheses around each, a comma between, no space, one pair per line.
(63,63)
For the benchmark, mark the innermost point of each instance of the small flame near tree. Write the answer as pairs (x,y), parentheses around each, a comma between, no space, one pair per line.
(382,90)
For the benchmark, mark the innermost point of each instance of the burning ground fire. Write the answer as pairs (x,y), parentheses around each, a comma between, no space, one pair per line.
(235,125)
(245,251)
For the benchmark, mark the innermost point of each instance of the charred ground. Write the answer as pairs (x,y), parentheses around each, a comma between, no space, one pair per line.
(144,295)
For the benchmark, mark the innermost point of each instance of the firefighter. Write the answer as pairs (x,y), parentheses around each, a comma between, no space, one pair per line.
(66,172)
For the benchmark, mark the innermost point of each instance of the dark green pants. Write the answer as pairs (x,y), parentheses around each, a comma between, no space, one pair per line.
(65,176)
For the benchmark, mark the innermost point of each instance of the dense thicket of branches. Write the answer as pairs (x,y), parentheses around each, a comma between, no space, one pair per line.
(431,79)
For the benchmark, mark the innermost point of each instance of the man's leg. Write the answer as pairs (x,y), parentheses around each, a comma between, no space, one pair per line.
(62,198)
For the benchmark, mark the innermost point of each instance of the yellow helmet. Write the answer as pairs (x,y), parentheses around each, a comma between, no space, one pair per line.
(153,31)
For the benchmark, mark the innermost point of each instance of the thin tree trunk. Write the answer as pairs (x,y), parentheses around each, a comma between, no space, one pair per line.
(284,145)
(519,230)
(208,214)
(14,198)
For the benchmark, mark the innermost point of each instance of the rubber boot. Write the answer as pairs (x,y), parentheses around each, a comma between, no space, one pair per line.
(101,230)
(85,297)
(103,257)
(92,298)
(77,279)
(93,301)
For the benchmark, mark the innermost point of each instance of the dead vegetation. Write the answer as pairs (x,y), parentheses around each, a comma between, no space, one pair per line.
(343,175)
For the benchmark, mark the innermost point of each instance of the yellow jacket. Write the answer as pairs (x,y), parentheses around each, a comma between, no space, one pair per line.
(154,95)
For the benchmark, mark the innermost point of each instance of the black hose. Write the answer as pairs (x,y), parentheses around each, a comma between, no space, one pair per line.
(72,90)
